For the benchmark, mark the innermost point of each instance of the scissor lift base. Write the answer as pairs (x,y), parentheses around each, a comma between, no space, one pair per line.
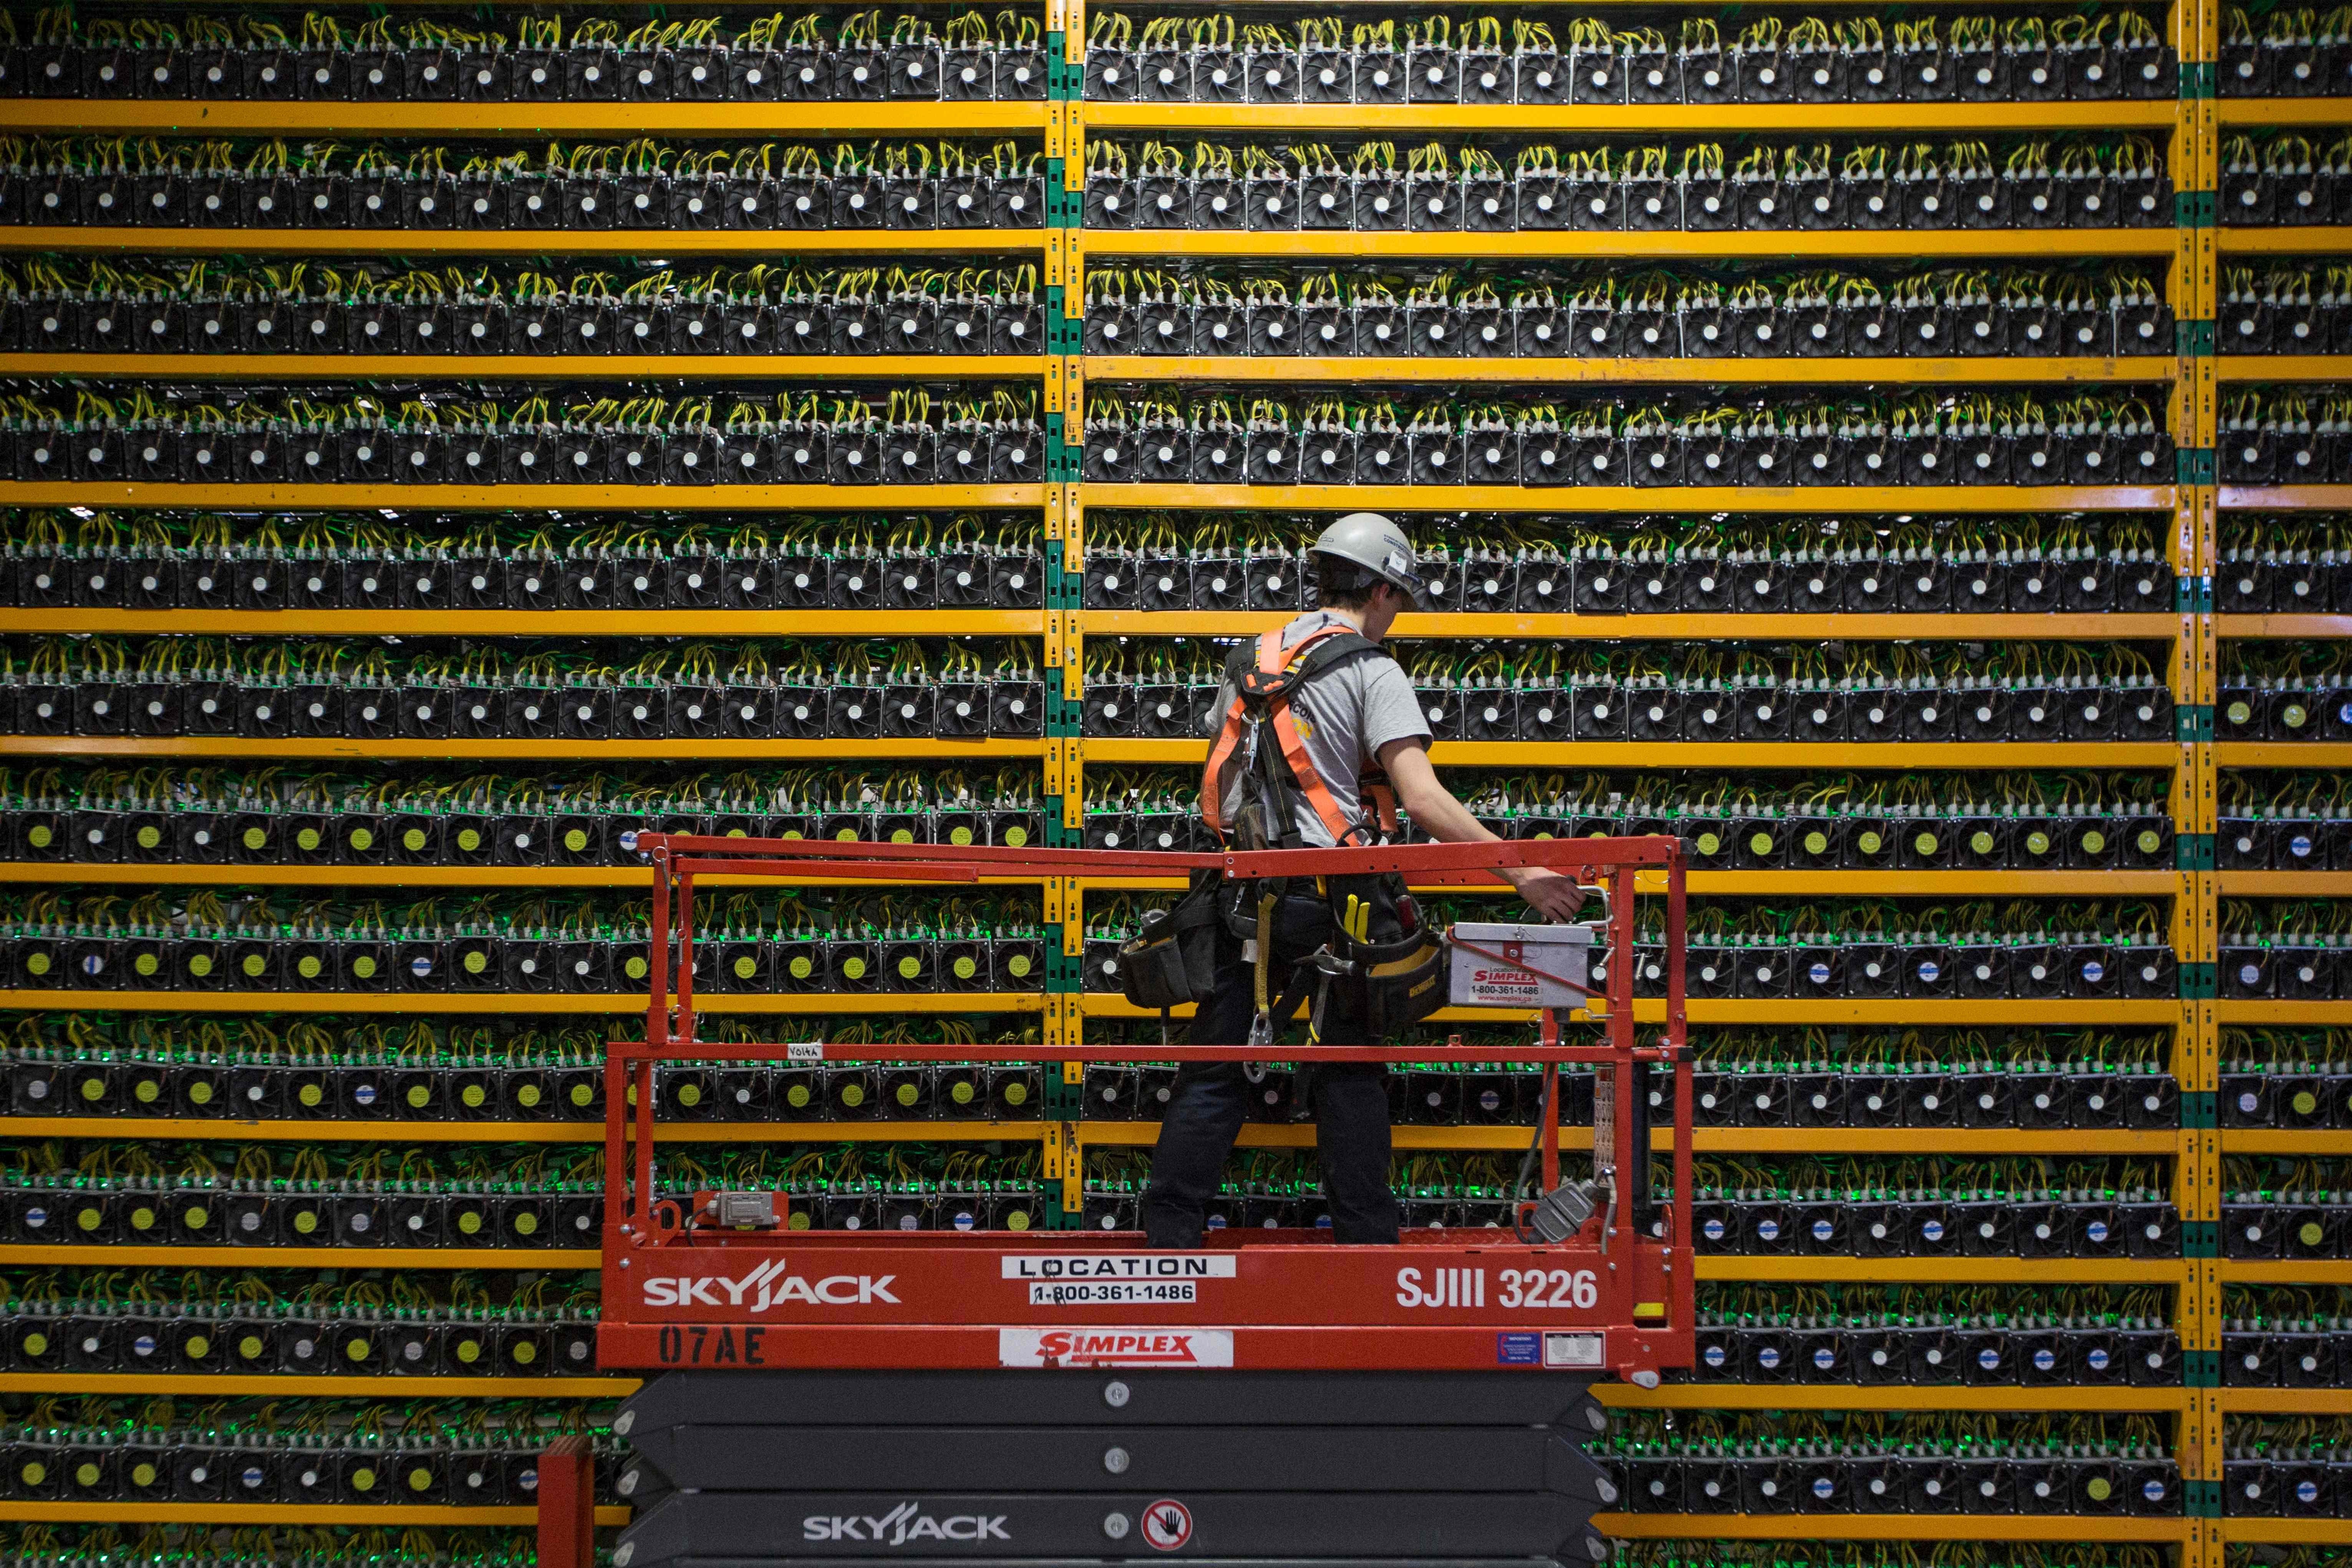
(1264,1467)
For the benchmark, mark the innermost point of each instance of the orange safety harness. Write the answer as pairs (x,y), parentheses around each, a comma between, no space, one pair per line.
(1263,688)
(1394,972)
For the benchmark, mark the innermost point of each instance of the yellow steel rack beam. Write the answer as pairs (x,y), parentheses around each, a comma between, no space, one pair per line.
(230,1385)
(1644,119)
(2286,498)
(1665,244)
(1720,754)
(1882,1397)
(114,1254)
(2283,627)
(2282,367)
(1884,1527)
(2298,1271)
(260,1513)
(770,242)
(1827,498)
(335,1131)
(2285,884)
(507,1002)
(561,623)
(2284,110)
(2232,1010)
(2280,1140)
(1948,1270)
(348,750)
(1135,623)
(1693,372)
(1608,629)
(1818,498)
(2284,754)
(2288,1531)
(2316,240)
(1563,372)
(88,116)
(549,367)
(1460,753)
(2287,1401)
(1790,1010)
(501,498)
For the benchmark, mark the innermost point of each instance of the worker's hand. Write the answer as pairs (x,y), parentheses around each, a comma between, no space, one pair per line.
(1555,897)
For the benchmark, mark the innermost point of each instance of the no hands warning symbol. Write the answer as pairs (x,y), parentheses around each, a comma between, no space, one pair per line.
(1167,1524)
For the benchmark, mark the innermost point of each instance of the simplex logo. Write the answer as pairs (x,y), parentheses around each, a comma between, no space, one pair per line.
(768,1285)
(905,1523)
(1115,1347)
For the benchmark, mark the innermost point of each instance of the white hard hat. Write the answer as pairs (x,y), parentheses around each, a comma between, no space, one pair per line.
(1368,540)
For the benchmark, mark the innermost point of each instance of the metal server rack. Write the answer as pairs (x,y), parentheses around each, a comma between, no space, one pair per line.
(2192,382)
(458,123)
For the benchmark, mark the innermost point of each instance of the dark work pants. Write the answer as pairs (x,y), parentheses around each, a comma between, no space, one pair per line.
(1211,1100)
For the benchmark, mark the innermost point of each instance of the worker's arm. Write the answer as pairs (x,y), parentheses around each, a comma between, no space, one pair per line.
(1433,808)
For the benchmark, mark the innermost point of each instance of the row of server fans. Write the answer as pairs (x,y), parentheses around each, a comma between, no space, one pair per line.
(2066,181)
(515,438)
(2020,820)
(1504,691)
(261,941)
(2114,54)
(358,305)
(512,1206)
(1152,560)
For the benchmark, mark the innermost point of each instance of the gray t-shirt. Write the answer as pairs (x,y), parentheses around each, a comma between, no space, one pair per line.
(1344,716)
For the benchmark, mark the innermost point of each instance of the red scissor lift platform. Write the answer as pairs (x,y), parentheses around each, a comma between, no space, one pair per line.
(1614,1298)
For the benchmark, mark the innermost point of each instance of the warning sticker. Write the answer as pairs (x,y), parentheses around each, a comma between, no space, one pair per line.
(1167,1524)
(1571,1349)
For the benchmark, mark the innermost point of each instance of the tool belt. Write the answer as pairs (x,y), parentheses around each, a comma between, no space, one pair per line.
(1373,967)
(1171,959)
(1382,958)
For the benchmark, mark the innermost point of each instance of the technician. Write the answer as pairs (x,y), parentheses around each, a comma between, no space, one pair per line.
(1322,739)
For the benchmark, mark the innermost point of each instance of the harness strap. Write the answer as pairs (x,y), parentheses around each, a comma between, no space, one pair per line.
(1213,801)
(1274,661)
(1294,746)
